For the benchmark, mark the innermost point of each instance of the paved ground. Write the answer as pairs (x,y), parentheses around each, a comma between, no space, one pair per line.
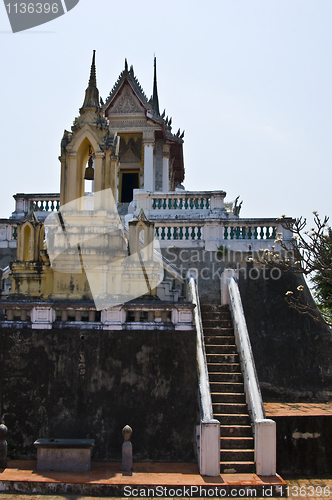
(297,409)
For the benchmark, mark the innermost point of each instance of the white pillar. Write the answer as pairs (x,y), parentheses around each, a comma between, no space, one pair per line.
(226,275)
(217,201)
(265,447)
(100,196)
(209,453)
(166,154)
(148,141)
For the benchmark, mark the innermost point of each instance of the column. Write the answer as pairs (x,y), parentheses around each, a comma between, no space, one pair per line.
(70,187)
(166,155)
(100,202)
(148,141)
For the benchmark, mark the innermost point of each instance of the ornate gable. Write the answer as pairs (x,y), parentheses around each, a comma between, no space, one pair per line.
(126,103)
(128,79)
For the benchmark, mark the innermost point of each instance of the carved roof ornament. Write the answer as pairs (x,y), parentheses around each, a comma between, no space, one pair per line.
(101,122)
(141,218)
(31,218)
(92,93)
(66,139)
(110,142)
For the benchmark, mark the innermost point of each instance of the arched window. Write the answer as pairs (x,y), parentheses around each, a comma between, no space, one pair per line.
(26,243)
(89,182)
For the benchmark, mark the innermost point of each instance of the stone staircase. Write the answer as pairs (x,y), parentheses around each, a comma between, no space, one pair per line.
(227,391)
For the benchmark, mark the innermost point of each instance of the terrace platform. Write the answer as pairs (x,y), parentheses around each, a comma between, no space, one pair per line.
(107,479)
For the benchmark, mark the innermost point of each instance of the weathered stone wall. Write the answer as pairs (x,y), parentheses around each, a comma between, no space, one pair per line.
(292,351)
(90,384)
(7,255)
(208,265)
(304,445)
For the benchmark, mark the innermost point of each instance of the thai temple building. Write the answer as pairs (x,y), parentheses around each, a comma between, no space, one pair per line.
(127,299)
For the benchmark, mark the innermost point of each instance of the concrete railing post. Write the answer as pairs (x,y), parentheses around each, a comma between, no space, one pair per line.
(209,454)
(226,275)
(127,449)
(265,447)
(143,201)
(217,201)
(3,446)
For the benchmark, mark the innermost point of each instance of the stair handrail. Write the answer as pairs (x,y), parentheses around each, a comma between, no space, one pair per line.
(264,429)
(205,400)
(255,403)
(208,431)
(4,273)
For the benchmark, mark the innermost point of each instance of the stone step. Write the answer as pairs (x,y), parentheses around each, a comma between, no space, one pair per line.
(220,349)
(237,430)
(234,443)
(227,387)
(237,467)
(219,339)
(232,419)
(214,308)
(223,367)
(228,397)
(237,455)
(227,390)
(227,408)
(225,377)
(222,358)
(214,320)
(219,332)
(217,323)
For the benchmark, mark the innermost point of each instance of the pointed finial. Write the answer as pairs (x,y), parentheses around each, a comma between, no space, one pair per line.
(93,80)
(92,94)
(155,100)
(126,65)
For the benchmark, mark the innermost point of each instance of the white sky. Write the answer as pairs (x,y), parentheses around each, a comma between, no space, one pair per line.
(248,80)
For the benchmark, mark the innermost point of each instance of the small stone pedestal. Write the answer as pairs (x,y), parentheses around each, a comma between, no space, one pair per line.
(127,450)
(3,446)
(64,454)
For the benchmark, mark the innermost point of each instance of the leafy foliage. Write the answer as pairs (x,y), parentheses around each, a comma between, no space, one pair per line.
(308,253)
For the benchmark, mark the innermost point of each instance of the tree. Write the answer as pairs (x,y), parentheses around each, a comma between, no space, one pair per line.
(309,253)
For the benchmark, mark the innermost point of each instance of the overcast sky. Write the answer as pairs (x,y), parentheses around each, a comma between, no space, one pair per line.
(248,80)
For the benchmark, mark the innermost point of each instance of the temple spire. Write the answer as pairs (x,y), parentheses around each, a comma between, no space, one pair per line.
(155,100)
(93,79)
(92,94)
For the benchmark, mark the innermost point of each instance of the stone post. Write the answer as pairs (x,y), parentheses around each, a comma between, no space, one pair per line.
(166,156)
(217,201)
(127,449)
(3,446)
(148,141)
